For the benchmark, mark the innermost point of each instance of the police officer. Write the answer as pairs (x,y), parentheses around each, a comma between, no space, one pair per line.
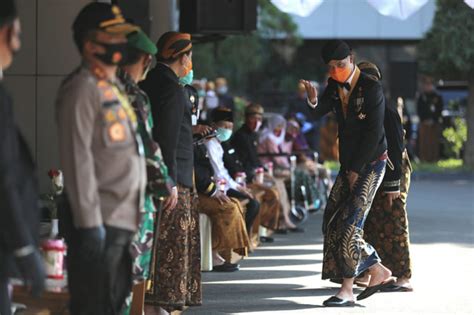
(103,163)
(360,107)
(19,214)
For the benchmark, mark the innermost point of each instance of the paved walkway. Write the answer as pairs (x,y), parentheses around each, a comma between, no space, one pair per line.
(284,277)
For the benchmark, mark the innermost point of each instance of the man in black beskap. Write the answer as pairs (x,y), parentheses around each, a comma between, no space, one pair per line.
(19,213)
(177,267)
(359,104)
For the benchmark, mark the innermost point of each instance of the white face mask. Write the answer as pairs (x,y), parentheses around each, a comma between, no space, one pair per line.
(257,127)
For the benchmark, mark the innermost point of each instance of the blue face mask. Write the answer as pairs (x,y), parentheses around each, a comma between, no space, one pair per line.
(223,134)
(188,79)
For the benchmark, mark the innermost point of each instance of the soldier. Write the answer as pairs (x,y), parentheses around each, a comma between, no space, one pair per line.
(19,214)
(159,182)
(360,106)
(103,163)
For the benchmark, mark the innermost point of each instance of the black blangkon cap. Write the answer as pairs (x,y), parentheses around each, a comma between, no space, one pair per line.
(335,50)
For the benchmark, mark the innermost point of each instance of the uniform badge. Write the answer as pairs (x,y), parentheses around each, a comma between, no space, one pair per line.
(361,116)
(117,132)
(109,94)
(121,114)
(231,151)
(110,116)
(192,99)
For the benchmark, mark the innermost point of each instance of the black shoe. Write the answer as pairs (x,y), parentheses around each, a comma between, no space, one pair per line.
(369,291)
(266,239)
(334,301)
(226,267)
(397,288)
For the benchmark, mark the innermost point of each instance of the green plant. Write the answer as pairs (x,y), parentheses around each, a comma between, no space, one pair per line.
(455,137)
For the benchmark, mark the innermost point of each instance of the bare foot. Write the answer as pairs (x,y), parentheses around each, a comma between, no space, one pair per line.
(155,310)
(345,292)
(378,274)
(404,282)
(364,281)
(217,259)
(345,295)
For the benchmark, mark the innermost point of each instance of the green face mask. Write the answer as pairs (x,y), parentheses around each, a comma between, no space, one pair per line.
(223,134)
(188,79)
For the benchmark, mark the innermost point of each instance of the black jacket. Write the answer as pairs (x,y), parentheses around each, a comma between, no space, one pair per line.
(361,134)
(394,133)
(172,122)
(245,142)
(231,159)
(203,171)
(19,213)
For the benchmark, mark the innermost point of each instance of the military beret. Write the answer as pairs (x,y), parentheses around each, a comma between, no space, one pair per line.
(140,41)
(335,50)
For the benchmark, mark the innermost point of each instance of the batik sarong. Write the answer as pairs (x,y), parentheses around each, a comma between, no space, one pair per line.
(387,229)
(176,263)
(346,254)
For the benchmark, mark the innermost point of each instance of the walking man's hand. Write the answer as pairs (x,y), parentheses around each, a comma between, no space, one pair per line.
(311,91)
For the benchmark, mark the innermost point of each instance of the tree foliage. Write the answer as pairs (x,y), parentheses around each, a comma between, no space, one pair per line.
(244,59)
(448,48)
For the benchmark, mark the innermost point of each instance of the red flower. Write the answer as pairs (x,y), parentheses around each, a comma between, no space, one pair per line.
(53,173)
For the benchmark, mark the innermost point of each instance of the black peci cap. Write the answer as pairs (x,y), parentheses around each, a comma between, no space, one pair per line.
(222,114)
(8,11)
(335,50)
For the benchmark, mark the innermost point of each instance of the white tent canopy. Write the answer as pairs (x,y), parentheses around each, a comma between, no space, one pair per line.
(301,8)
(399,9)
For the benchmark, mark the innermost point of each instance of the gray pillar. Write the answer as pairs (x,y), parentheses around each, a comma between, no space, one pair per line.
(164,17)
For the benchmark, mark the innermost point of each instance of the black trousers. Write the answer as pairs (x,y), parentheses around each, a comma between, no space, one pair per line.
(100,285)
(253,207)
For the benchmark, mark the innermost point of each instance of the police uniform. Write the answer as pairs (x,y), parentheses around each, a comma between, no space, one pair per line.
(104,173)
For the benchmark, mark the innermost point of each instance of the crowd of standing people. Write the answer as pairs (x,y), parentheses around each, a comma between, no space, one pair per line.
(140,166)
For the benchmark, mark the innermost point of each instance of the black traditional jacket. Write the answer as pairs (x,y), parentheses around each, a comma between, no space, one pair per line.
(361,131)
(172,122)
(394,133)
(245,142)
(203,171)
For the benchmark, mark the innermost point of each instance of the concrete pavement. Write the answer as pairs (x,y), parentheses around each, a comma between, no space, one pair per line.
(284,277)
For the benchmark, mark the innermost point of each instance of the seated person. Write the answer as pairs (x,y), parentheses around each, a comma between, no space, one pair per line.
(274,201)
(222,119)
(226,214)
(296,144)
(274,140)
